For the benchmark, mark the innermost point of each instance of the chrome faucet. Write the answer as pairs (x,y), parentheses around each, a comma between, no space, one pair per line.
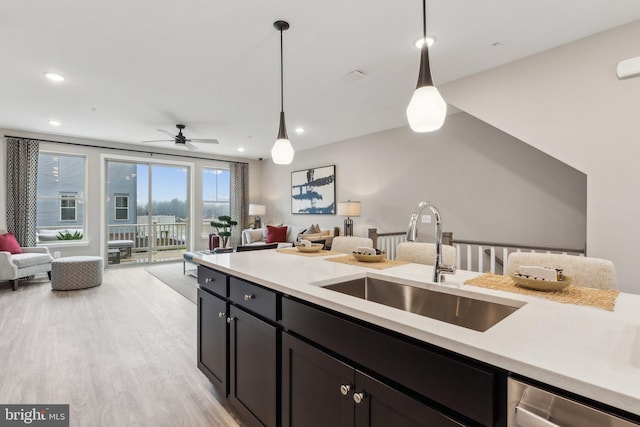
(439,267)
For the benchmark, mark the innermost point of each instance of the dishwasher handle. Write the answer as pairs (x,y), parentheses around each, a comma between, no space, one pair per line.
(526,418)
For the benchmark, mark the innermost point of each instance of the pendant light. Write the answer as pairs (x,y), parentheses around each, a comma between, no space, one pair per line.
(427,109)
(282,151)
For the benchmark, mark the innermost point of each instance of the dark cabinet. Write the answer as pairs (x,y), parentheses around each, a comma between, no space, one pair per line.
(320,390)
(253,367)
(283,361)
(462,386)
(379,405)
(213,339)
(238,344)
(316,388)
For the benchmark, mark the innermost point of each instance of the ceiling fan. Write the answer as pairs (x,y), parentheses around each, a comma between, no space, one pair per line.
(180,139)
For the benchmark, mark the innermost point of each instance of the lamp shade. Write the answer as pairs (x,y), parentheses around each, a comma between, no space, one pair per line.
(427,110)
(257,210)
(349,208)
(282,152)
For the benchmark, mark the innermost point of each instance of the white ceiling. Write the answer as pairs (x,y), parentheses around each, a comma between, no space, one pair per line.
(133,67)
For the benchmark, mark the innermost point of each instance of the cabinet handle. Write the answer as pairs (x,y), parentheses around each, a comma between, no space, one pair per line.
(230,319)
(247,297)
(221,315)
(209,279)
(359,397)
(344,389)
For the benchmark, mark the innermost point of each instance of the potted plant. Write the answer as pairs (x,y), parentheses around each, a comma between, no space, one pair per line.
(223,227)
(68,236)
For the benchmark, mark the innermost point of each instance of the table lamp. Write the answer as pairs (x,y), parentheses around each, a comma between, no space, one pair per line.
(257,210)
(349,208)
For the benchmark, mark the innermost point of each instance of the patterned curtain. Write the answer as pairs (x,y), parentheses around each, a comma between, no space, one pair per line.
(239,200)
(22,187)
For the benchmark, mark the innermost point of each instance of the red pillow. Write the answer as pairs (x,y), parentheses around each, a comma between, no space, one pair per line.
(276,234)
(8,243)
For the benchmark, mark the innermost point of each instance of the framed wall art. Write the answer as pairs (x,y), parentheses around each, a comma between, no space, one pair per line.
(313,191)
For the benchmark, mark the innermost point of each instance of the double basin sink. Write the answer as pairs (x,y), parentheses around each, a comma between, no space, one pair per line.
(464,310)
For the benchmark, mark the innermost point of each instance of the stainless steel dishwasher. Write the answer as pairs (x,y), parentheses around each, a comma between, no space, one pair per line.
(529,406)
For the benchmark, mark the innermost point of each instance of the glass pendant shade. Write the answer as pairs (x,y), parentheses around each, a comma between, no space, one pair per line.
(282,151)
(427,110)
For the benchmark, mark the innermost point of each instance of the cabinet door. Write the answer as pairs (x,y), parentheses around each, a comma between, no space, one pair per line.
(213,339)
(317,389)
(253,367)
(378,405)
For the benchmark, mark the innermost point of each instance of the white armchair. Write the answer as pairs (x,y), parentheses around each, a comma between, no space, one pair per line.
(31,261)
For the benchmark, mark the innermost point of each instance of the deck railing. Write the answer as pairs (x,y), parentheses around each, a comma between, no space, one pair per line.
(165,236)
(471,254)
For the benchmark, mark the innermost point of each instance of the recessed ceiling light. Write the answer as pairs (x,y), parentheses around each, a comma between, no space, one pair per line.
(54,123)
(299,130)
(54,77)
(241,149)
(430,41)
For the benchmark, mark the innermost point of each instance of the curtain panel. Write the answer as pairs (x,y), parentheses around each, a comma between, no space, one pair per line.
(22,189)
(239,200)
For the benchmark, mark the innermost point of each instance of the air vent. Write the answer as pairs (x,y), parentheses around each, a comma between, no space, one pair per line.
(628,68)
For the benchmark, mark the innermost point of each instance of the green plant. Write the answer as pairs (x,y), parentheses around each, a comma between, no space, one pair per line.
(68,236)
(223,227)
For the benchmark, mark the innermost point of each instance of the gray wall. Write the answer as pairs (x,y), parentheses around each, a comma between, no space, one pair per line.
(487,184)
(569,103)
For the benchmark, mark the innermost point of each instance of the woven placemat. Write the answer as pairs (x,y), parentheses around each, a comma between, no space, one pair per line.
(601,298)
(294,251)
(385,263)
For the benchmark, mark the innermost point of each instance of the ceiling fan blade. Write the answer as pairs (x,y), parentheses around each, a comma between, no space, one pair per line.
(209,141)
(190,146)
(158,140)
(167,132)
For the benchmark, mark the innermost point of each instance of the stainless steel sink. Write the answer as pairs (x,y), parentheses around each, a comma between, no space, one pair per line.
(472,313)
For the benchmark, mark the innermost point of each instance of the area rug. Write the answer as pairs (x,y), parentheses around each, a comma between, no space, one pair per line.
(171,275)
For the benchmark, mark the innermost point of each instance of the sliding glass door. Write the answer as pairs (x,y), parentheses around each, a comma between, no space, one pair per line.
(148,215)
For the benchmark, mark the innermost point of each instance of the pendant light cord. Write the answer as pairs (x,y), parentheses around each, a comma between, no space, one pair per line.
(281,75)
(424,21)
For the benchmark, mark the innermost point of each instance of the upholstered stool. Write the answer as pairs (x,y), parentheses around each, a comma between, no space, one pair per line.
(76,272)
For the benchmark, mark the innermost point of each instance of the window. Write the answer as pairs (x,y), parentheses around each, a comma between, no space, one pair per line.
(68,207)
(60,197)
(122,207)
(216,195)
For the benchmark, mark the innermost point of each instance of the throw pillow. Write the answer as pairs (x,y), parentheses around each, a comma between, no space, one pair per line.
(276,234)
(315,228)
(252,236)
(264,230)
(8,243)
(293,232)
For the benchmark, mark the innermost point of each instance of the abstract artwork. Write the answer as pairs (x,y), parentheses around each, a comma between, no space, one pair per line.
(313,191)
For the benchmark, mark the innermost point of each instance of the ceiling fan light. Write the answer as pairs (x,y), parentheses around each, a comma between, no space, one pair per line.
(282,152)
(427,110)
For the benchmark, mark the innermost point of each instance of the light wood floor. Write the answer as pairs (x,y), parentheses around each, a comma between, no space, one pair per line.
(120,354)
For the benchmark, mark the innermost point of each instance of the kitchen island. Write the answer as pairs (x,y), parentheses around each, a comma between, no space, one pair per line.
(588,352)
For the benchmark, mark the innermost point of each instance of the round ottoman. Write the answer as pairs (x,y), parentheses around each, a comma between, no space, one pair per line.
(76,272)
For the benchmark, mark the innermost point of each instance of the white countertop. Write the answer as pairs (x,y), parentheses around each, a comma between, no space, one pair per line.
(588,351)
